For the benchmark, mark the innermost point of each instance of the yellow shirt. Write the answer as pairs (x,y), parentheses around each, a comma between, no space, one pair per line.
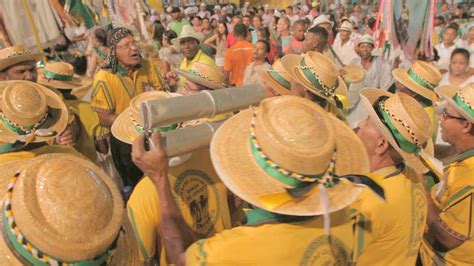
(454,195)
(430,110)
(390,232)
(22,155)
(112,92)
(185,65)
(199,193)
(268,241)
(90,128)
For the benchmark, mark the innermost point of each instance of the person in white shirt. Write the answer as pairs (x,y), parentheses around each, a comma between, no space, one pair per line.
(291,15)
(446,48)
(458,74)
(203,13)
(343,45)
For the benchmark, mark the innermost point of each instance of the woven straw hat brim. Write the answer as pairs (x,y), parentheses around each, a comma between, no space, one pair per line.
(58,111)
(354,73)
(76,82)
(11,61)
(127,247)
(291,62)
(234,163)
(401,76)
(271,82)
(206,83)
(123,129)
(195,35)
(368,98)
(447,93)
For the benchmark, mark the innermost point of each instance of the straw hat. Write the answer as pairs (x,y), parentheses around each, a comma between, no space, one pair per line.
(400,119)
(293,137)
(60,75)
(277,78)
(205,75)
(322,19)
(47,218)
(188,32)
(421,78)
(353,73)
(30,112)
(317,73)
(129,125)
(462,100)
(13,55)
(346,26)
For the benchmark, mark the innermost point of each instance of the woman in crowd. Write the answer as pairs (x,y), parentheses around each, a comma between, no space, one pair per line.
(458,74)
(264,34)
(219,42)
(260,53)
(96,51)
(170,55)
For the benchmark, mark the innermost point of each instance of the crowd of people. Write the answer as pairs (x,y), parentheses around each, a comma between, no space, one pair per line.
(350,156)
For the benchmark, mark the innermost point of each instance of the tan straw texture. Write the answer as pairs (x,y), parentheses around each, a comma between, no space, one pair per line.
(205,75)
(466,95)
(425,73)
(13,55)
(53,72)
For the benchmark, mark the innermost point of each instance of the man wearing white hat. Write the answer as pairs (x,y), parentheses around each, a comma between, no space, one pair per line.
(203,13)
(450,225)
(343,45)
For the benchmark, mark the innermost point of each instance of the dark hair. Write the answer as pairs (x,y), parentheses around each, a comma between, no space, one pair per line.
(158,31)
(170,34)
(290,7)
(101,36)
(461,51)
(320,32)
(300,22)
(371,23)
(453,26)
(265,32)
(267,45)
(219,36)
(246,16)
(259,17)
(240,30)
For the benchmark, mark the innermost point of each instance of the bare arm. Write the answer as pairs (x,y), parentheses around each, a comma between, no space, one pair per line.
(175,232)
(437,236)
(226,77)
(106,119)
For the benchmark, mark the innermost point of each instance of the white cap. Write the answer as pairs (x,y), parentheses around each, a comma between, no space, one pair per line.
(203,4)
(321,20)
(169,9)
(217,7)
(305,8)
(277,14)
(346,26)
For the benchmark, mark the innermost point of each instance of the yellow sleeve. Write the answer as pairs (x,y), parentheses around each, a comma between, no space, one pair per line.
(102,99)
(155,77)
(456,217)
(142,209)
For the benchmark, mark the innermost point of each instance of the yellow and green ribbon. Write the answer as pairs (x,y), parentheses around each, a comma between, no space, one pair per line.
(278,78)
(460,102)
(418,80)
(56,76)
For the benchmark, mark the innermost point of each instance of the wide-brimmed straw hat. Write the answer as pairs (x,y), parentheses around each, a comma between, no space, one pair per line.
(274,155)
(317,73)
(353,73)
(188,32)
(403,122)
(13,55)
(129,124)
(60,75)
(30,112)
(422,78)
(277,78)
(346,25)
(47,219)
(461,99)
(205,75)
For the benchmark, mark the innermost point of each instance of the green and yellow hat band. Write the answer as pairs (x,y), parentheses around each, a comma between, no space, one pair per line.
(56,76)
(280,79)
(461,102)
(416,78)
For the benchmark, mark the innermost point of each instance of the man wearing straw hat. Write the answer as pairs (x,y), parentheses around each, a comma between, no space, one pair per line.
(19,63)
(266,156)
(59,209)
(448,239)
(124,76)
(201,196)
(395,135)
(30,118)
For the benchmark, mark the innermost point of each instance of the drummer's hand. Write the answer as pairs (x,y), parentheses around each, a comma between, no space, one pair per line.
(342,72)
(154,163)
(68,136)
(171,78)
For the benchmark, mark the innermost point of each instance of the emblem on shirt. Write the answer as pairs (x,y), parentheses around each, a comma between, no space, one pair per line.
(418,218)
(198,200)
(322,251)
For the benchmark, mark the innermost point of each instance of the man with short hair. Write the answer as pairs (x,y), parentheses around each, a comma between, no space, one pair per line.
(446,48)
(178,21)
(448,239)
(316,39)
(237,57)
(294,44)
(378,71)
(124,76)
(394,134)
(291,15)
(256,26)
